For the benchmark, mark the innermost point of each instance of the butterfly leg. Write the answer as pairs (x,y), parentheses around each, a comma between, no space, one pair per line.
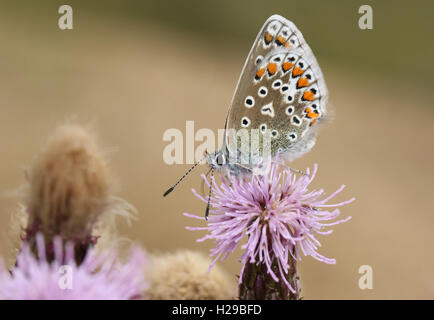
(294,170)
(202,184)
(244,168)
(310,207)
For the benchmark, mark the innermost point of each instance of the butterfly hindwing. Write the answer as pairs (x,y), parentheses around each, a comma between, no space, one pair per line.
(281,90)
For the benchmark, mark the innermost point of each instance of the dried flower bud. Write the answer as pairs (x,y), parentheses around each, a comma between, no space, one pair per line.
(68,186)
(184,275)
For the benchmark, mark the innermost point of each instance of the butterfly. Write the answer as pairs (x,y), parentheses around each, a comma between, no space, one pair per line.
(281,95)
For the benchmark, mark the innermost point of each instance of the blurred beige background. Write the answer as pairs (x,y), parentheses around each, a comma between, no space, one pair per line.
(141,68)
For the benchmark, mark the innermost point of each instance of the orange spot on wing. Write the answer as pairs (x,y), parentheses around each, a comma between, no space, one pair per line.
(287,44)
(260,72)
(287,65)
(272,68)
(297,71)
(268,38)
(313,122)
(308,95)
(302,82)
(280,39)
(311,114)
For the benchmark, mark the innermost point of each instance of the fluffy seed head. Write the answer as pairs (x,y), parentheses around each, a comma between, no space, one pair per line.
(68,185)
(183,275)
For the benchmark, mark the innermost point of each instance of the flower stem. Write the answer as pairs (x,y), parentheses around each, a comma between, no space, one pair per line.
(257,283)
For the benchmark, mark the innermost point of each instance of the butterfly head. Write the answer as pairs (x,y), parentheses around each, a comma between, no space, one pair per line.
(217,160)
(220,161)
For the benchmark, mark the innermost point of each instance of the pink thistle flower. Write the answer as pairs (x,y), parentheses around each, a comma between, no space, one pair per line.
(99,277)
(277,214)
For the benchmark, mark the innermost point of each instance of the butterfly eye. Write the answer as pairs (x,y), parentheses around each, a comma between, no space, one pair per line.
(249,102)
(262,92)
(220,160)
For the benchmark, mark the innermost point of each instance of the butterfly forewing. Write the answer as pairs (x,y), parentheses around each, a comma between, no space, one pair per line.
(281,92)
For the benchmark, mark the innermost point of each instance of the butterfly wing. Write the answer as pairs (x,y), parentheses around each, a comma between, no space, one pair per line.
(281,92)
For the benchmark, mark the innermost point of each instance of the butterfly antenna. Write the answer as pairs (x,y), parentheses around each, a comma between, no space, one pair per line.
(182,178)
(209,195)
